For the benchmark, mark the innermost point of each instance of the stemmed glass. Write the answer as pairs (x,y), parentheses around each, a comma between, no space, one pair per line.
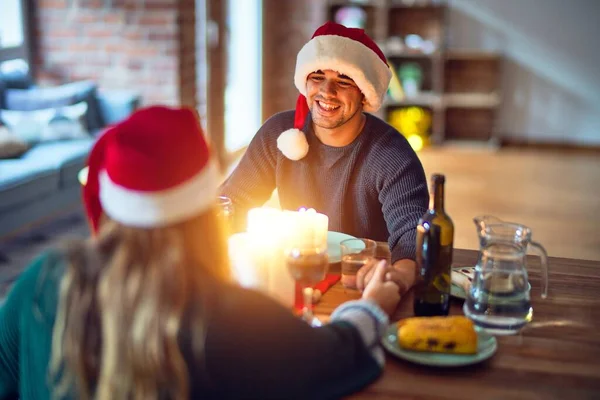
(308,266)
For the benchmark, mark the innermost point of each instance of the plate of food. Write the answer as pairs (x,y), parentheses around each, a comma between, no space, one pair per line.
(333,245)
(439,341)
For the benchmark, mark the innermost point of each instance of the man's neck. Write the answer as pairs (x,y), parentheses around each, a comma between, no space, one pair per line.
(342,135)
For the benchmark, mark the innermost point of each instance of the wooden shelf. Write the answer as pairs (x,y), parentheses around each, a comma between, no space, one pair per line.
(471,100)
(370,10)
(416,5)
(357,3)
(411,54)
(424,99)
(469,124)
(460,87)
(448,100)
(471,75)
(426,22)
(427,66)
(471,55)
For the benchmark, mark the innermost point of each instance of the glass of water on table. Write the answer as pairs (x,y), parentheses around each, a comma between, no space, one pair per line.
(355,254)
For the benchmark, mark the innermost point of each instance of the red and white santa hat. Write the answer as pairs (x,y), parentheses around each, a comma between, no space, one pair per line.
(350,52)
(151,170)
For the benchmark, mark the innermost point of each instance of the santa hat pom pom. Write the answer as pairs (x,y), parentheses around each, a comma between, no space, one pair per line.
(292,143)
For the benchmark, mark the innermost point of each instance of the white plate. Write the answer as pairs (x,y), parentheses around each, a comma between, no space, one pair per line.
(486,347)
(333,245)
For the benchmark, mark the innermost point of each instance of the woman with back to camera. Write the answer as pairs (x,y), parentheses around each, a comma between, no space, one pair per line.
(145,308)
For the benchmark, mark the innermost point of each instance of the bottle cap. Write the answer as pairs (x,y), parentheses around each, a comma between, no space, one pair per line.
(438,178)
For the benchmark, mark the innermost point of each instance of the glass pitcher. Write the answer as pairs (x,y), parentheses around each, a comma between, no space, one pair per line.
(498,300)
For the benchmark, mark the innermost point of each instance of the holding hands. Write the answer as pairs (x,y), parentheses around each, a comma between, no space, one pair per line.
(380,288)
(402,272)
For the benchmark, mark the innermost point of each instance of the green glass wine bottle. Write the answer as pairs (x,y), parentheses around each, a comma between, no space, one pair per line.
(435,240)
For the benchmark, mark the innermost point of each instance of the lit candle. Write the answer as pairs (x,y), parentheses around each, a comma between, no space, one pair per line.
(308,228)
(267,229)
(258,255)
(245,270)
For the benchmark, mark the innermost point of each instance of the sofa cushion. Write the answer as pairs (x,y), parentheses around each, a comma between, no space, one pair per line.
(56,123)
(64,95)
(67,157)
(116,105)
(23,181)
(11,146)
(27,125)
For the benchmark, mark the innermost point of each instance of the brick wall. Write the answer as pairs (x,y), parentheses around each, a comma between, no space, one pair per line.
(144,45)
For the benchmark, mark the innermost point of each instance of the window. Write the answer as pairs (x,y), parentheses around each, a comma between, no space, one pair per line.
(14,37)
(243,96)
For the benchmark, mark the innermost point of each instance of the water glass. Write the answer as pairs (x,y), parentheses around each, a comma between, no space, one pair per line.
(355,254)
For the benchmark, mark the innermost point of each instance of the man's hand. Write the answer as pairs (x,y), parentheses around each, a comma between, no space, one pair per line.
(402,273)
(381,290)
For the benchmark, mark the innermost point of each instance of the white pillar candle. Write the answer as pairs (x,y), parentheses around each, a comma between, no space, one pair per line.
(258,255)
(243,267)
(267,229)
(308,228)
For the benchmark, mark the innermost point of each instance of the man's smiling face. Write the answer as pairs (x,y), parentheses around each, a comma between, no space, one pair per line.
(333,99)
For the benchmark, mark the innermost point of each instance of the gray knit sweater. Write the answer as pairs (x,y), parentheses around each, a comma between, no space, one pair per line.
(375,187)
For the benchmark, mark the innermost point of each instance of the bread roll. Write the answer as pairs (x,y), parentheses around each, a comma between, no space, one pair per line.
(454,335)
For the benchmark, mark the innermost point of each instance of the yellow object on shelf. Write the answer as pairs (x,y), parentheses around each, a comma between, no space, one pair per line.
(455,335)
(414,123)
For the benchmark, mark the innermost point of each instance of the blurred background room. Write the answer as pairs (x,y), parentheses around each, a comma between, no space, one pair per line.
(503,97)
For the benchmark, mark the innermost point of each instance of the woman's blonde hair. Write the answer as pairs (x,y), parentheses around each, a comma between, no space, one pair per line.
(122,303)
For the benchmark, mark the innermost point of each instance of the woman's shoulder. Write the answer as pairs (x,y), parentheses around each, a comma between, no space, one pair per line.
(39,282)
(236,306)
(233,297)
(42,267)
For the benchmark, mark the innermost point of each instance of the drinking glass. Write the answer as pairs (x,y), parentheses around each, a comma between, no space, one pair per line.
(307,266)
(355,254)
(225,213)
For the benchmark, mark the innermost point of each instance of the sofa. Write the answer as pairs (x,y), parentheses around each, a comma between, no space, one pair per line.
(42,181)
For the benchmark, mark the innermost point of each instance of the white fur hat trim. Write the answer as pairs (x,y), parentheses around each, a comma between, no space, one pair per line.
(292,143)
(348,57)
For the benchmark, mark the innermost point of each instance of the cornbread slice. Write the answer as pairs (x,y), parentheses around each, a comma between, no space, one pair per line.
(455,334)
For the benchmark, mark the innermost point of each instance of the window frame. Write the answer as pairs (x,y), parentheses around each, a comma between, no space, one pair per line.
(24,51)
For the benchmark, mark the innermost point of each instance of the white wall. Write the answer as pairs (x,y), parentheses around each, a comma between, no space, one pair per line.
(551,72)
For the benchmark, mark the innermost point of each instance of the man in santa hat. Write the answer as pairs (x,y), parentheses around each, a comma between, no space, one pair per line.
(330,154)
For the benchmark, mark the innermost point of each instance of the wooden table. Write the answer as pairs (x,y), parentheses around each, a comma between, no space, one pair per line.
(556,356)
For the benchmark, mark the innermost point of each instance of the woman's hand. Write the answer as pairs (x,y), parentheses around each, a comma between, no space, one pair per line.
(402,273)
(381,289)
